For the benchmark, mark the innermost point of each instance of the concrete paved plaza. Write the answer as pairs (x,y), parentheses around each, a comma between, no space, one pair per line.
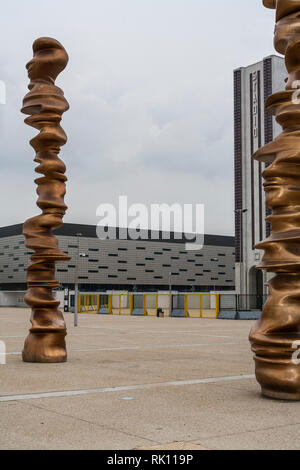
(139,382)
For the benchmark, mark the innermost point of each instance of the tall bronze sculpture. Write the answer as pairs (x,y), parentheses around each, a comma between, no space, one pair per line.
(274,337)
(45,104)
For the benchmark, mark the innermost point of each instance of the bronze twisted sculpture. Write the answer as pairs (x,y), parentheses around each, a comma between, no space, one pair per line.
(275,336)
(45,104)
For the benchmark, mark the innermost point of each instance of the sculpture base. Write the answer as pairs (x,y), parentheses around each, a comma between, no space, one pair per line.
(45,347)
(280,395)
(278,378)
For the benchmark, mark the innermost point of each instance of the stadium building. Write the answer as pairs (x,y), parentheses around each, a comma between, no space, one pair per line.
(123,264)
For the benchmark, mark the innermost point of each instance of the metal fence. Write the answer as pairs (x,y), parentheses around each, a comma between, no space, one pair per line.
(242,302)
(188,305)
(151,304)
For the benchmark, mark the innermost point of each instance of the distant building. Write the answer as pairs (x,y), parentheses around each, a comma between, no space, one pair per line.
(253,128)
(142,265)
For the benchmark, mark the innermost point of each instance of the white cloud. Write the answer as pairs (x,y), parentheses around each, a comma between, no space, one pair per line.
(150,91)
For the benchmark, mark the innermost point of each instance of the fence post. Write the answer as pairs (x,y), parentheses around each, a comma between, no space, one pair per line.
(131,303)
(144,305)
(109,304)
(237,317)
(217,305)
(186,308)
(200,305)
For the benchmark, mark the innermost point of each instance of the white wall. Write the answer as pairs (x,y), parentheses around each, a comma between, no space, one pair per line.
(16,298)
(12,299)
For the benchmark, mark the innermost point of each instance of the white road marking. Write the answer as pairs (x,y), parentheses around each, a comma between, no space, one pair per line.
(16,336)
(69,393)
(165,346)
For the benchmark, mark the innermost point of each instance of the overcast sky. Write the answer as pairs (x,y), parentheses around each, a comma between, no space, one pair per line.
(149,84)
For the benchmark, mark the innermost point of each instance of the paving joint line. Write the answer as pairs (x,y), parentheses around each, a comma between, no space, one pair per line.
(59,413)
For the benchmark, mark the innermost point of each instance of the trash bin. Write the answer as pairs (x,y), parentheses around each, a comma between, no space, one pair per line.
(160,313)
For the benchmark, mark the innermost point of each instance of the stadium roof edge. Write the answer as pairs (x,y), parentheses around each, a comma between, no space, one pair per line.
(89,231)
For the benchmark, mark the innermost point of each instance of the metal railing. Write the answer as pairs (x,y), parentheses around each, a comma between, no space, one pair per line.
(242,302)
(188,305)
(152,304)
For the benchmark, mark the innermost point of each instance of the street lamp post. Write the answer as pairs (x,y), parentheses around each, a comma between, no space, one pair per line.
(170,294)
(76,282)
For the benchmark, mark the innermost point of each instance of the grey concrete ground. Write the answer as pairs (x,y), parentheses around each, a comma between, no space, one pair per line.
(138,382)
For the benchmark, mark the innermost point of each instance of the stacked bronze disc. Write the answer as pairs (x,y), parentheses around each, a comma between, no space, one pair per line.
(45,104)
(274,337)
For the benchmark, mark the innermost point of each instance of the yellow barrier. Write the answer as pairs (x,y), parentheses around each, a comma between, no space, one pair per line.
(195,305)
(164,304)
(90,303)
(150,304)
(202,308)
(206,310)
(126,304)
(186,310)
(217,305)
(121,304)
(115,307)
